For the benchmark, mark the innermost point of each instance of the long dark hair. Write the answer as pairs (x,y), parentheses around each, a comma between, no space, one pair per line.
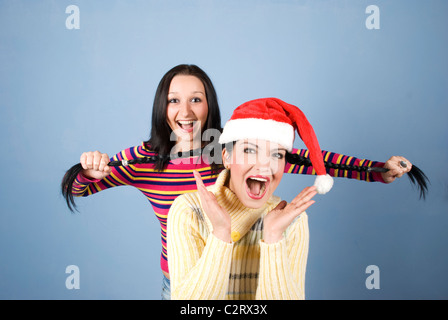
(159,140)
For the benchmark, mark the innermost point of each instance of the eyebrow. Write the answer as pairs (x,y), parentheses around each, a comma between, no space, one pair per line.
(252,144)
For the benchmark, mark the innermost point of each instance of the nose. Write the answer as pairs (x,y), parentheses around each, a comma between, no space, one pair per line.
(185,109)
(263,164)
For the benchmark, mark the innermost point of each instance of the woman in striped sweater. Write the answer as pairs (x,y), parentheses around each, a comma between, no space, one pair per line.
(187,89)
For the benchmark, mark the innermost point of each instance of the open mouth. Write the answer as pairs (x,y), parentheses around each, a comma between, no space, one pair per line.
(256,186)
(186,125)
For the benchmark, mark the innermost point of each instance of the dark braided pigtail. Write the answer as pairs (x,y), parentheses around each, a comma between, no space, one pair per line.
(416,176)
(419,178)
(67,184)
(71,174)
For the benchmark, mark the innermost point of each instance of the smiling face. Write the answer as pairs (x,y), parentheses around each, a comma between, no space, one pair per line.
(187,109)
(256,169)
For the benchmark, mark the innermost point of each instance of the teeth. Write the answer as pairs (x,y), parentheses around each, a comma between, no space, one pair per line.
(185,122)
(258,179)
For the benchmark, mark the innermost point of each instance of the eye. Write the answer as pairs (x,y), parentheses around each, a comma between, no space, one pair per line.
(249,150)
(196,100)
(278,155)
(174,100)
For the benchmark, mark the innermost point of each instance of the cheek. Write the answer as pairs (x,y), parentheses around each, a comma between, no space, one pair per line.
(236,169)
(239,171)
(277,175)
(278,168)
(202,114)
(170,115)
(237,183)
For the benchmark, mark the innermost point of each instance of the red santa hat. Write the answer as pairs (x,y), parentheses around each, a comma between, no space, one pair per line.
(274,120)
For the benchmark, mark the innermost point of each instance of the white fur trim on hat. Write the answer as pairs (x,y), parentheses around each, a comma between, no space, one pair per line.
(323,183)
(263,129)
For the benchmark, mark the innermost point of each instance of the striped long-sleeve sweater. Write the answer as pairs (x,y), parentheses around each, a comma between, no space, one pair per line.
(204,267)
(162,188)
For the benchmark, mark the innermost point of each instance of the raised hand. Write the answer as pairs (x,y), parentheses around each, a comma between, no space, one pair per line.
(278,220)
(219,218)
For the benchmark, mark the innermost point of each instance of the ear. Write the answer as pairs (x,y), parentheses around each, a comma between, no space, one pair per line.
(226,158)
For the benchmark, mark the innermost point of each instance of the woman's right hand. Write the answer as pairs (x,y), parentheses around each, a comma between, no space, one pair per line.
(95,165)
(219,218)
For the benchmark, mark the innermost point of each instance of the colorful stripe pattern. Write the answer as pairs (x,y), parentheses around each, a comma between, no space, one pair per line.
(161,188)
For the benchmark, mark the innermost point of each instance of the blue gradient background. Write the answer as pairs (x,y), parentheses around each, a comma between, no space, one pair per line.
(368,93)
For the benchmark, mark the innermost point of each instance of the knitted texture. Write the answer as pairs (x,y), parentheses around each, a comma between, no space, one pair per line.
(205,267)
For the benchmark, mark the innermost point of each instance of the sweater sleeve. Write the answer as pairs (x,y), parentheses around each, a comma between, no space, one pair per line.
(199,268)
(341,160)
(283,264)
(119,176)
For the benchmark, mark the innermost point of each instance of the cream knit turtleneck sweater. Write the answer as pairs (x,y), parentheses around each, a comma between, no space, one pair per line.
(205,267)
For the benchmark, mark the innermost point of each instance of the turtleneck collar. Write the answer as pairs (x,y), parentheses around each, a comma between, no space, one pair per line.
(242,218)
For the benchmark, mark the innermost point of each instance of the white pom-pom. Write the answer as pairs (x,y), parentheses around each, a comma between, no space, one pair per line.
(323,183)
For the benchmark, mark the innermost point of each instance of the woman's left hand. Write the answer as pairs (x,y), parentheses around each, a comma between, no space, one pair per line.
(397,166)
(278,220)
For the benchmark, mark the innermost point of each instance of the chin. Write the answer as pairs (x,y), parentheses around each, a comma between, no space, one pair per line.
(254,204)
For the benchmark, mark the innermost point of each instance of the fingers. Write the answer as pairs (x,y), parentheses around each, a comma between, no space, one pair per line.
(398,166)
(301,202)
(208,199)
(278,220)
(219,218)
(298,205)
(282,204)
(199,182)
(405,164)
(95,160)
(305,196)
(103,163)
(204,194)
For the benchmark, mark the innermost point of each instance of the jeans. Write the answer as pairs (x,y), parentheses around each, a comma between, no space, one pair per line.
(166,289)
